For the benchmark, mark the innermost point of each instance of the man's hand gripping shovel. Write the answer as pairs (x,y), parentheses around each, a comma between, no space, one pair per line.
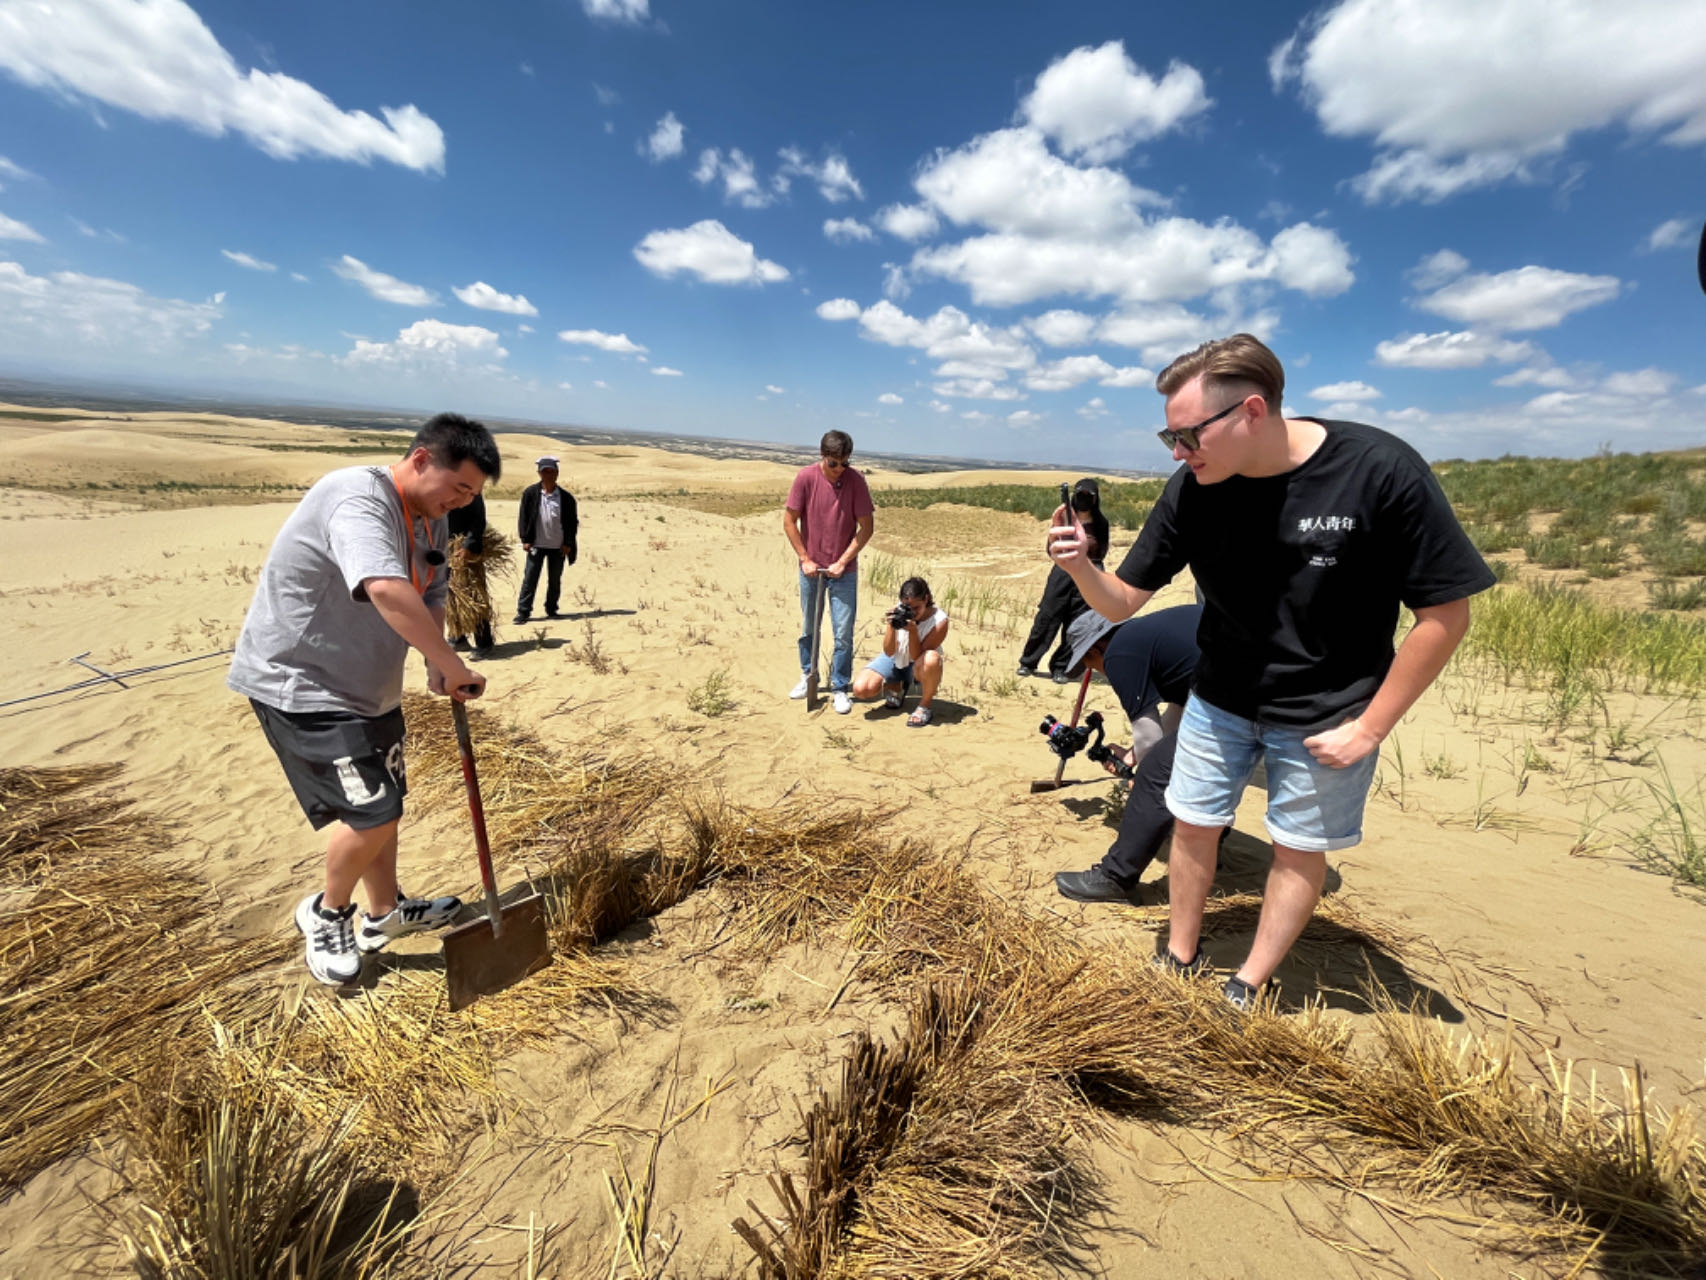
(487,955)
(820,589)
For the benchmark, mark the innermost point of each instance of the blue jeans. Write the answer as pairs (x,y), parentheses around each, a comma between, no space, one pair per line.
(843,608)
(1311,806)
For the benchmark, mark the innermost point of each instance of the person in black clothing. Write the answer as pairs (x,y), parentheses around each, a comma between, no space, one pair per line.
(1305,537)
(467,527)
(1148,661)
(1061,601)
(548,526)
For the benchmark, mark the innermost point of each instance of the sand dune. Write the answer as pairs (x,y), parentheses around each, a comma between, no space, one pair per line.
(1490,863)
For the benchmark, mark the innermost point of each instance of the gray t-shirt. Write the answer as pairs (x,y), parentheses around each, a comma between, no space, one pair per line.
(312,640)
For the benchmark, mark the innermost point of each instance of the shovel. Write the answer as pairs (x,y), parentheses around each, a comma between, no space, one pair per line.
(485,956)
(819,590)
(1055,783)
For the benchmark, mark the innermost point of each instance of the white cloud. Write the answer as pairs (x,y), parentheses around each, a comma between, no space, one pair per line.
(383,287)
(606,97)
(1010,181)
(740,179)
(847,230)
(1640,382)
(889,397)
(833,175)
(1072,371)
(1162,332)
(839,309)
(1062,328)
(1465,350)
(526,68)
(941,406)
(12,229)
(896,283)
(1092,409)
(613,342)
(524,328)
(666,140)
(1023,418)
(907,221)
(430,345)
(565,386)
(1674,234)
(1312,260)
(299,277)
(709,250)
(630,12)
(601,384)
(664,371)
(1098,104)
(977,415)
(44,313)
(775,390)
(1459,94)
(97,233)
(248,260)
(158,59)
(1355,392)
(485,298)
(1526,298)
(16,172)
(1435,269)
(1538,376)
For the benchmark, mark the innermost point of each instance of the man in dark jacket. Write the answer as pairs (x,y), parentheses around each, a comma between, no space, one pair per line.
(1061,602)
(547,527)
(468,541)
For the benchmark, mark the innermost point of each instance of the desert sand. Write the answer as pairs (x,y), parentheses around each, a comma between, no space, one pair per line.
(137,541)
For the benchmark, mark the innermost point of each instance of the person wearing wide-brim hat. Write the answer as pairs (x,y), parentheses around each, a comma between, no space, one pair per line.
(547,526)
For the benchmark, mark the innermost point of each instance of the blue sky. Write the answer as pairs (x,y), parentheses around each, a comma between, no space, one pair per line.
(963,229)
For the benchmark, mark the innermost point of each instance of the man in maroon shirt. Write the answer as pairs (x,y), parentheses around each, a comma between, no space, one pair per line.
(829,517)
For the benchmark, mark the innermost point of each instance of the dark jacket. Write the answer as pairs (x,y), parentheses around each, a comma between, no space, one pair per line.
(1095,523)
(527,525)
(469,524)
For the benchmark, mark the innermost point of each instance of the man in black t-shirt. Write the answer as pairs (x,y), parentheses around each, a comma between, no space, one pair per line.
(1304,537)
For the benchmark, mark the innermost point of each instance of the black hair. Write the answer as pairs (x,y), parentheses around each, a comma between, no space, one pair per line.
(916,589)
(450,440)
(836,444)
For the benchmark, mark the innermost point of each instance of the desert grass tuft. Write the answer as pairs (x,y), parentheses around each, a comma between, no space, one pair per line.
(106,961)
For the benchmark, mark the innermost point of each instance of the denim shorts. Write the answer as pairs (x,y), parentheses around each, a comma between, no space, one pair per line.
(884,666)
(1311,806)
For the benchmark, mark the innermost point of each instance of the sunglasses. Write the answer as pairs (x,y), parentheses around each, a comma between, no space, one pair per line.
(1191,437)
(836,464)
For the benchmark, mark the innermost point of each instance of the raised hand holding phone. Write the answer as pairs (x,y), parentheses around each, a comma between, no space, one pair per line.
(1067,545)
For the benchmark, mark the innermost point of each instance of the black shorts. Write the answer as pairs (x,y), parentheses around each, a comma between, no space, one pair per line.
(343,767)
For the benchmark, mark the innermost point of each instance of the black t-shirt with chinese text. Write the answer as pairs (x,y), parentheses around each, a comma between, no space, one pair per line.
(1302,573)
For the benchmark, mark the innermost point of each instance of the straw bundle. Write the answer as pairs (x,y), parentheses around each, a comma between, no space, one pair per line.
(106,961)
(469,604)
(232,1181)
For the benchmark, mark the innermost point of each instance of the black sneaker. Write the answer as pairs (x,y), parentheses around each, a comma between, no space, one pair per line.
(553,615)
(1096,885)
(1195,967)
(520,620)
(1060,677)
(332,957)
(1241,995)
(1027,671)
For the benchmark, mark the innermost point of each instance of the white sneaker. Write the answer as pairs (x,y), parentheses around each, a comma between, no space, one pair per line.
(332,957)
(799,690)
(843,702)
(410,915)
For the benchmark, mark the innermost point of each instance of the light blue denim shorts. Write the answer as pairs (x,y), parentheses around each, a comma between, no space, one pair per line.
(1311,806)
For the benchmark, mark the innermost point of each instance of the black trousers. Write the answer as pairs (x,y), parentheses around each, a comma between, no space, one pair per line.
(1147,822)
(1061,603)
(530,581)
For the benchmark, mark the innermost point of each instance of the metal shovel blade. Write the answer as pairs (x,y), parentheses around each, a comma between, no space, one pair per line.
(479,962)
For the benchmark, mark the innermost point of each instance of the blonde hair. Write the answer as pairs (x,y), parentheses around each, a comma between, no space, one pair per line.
(1242,358)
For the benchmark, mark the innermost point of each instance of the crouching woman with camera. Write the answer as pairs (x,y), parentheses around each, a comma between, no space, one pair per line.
(912,651)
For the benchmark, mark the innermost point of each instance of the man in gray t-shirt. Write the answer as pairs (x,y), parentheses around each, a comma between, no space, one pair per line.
(356,578)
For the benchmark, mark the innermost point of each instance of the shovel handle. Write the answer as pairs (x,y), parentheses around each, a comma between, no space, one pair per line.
(471,779)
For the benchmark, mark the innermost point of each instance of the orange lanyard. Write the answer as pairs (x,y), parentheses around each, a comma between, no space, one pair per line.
(409,529)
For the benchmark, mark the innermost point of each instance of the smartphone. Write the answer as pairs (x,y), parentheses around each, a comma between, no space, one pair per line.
(1065,505)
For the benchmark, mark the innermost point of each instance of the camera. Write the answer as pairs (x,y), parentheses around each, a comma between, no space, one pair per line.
(901,616)
(1067,740)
